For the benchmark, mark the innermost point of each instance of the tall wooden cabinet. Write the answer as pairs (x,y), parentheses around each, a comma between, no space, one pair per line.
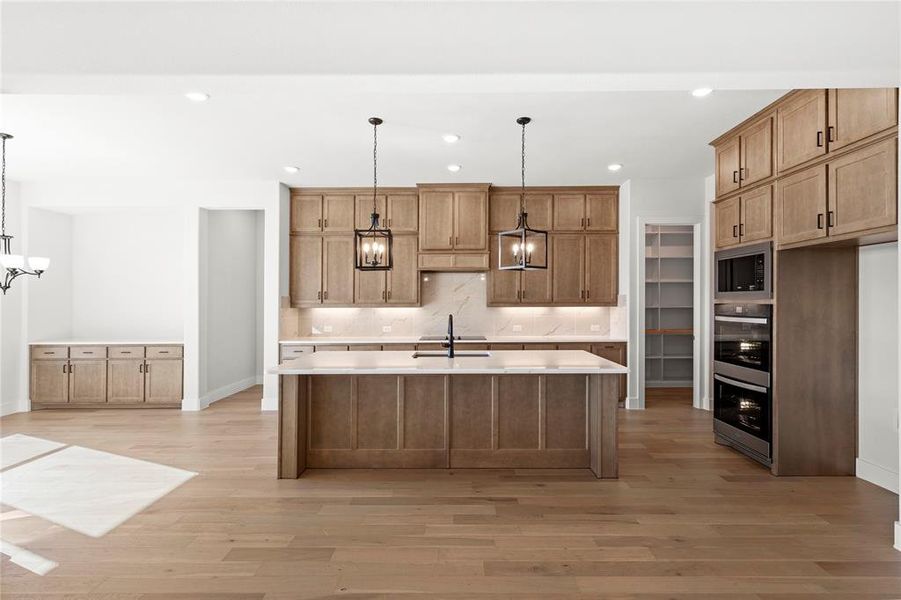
(106,376)
(453,227)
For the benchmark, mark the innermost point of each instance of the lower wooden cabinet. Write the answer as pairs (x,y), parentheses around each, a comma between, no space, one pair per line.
(59,377)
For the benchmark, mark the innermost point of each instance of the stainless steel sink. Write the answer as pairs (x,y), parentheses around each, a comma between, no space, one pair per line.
(457,354)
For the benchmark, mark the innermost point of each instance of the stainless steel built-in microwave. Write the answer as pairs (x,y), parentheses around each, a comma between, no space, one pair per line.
(744,273)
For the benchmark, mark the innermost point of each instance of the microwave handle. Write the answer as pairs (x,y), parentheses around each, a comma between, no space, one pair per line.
(747,386)
(759,320)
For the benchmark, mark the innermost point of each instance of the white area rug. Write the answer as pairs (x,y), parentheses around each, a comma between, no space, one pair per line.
(86,490)
(19,447)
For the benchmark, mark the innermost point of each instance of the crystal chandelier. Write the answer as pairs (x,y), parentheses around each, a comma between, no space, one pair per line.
(522,248)
(373,246)
(13,264)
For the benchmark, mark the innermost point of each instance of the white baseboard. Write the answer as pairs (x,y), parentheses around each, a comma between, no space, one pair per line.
(877,475)
(632,403)
(227,390)
(11,408)
(898,536)
(269,404)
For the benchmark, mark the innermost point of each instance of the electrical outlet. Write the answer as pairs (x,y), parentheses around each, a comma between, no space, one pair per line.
(517,328)
(595,327)
(386,328)
(327,328)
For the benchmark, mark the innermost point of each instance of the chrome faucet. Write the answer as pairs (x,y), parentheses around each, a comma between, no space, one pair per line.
(449,344)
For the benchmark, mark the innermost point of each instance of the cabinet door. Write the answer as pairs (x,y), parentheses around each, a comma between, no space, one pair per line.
(436,220)
(728,165)
(537,287)
(801,126)
(337,270)
(403,213)
(306,269)
(756,152)
(857,113)
(602,269)
(757,215)
(403,278)
(863,189)
(163,381)
(503,210)
(801,206)
(470,221)
(338,213)
(370,287)
(568,265)
(306,214)
(602,212)
(569,212)
(87,381)
(125,381)
(540,208)
(728,219)
(363,210)
(503,286)
(49,381)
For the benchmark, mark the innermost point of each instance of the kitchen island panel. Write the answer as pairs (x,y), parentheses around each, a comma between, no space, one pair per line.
(471,412)
(424,413)
(518,412)
(566,416)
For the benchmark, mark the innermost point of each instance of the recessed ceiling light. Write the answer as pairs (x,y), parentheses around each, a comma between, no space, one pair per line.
(291,169)
(614,167)
(450,138)
(701,92)
(454,168)
(197,96)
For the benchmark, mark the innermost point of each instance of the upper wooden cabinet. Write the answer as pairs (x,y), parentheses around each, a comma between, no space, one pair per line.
(745,218)
(306,270)
(568,264)
(601,269)
(403,212)
(504,210)
(507,288)
(363,210)
(453,218)
(327,213)
(399,286)
(801,127)
(728,163)
(801,206)
(592,211)
(756,152)
(862,189)
(855,114)
(337,270)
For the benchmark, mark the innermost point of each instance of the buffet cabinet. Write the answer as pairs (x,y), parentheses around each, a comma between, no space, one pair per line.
(118,376)
(816,166)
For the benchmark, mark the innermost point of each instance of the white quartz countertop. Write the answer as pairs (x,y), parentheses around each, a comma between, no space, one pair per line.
(103,342)
(541,362)
(496,339)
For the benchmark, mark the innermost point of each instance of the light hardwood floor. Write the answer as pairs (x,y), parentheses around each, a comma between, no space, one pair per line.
(687,519)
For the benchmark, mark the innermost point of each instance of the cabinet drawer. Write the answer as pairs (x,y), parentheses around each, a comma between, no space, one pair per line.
(331,348)
(295,351)
(164,351)
(49,352)
(126,352)
(87,352)
(453,262)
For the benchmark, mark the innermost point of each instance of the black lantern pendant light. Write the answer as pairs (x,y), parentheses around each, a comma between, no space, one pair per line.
(522,248)
(372,247)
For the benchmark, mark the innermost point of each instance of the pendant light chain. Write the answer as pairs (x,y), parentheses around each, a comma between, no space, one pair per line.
(3,192)
(375,164)
(522,196)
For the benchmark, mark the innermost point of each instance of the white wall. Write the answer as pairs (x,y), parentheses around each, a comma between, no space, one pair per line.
(49,301)
(877,459)
(128,274)
(664,201)
(12,323)
(232,276)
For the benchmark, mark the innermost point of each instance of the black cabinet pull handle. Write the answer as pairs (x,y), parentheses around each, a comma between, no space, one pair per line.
(64,368)
(819,139)
(735,231)
(830,133)
(734,176)
(819,220)
(141,368)
(741,229)
(830,219)
(741,174)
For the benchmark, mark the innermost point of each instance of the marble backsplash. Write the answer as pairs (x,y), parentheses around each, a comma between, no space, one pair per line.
(465,296)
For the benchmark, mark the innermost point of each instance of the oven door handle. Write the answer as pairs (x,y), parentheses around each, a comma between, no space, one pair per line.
(760,320)
(741,384)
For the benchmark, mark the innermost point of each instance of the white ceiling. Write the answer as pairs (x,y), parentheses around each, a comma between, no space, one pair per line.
(95,89)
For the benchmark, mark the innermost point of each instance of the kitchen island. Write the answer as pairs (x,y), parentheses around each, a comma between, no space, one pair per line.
(503,409)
